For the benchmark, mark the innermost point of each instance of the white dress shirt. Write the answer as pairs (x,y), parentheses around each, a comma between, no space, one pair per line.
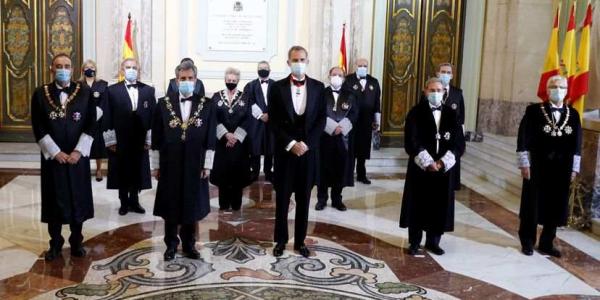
(363,81)
(264,87)
(63,95)
(556,114)
(186,108)
(133,95)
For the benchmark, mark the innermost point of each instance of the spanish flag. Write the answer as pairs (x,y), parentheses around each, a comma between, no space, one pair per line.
(580,83)
(551,63)
(568,57)
(128,43)
(343,63)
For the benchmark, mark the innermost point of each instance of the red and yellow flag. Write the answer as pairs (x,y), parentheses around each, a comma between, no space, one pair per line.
(343,63)
(128,48)
(568,57)
(580,84)
(551,63)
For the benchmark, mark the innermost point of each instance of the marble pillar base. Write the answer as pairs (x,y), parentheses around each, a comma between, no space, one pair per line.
(500,117)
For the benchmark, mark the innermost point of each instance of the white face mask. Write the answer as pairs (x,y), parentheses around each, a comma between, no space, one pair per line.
(557,95)
(435,99)
(336,82)
(298,69)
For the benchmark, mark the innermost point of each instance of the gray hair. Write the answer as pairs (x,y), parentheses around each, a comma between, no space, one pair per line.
(556,78)
(264,62)
(232,71)
(184,66)
(433,80)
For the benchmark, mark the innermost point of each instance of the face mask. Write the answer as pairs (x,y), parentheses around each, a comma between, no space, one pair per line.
(89,73)
(336,82)
(361,72)
(298,69)
(231,86)
(186,87)
(557,95)
(445,78)
(62,75)
(435,99)
(262,73)
(131,74)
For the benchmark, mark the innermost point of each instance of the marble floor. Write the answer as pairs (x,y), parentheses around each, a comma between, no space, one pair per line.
(357,254)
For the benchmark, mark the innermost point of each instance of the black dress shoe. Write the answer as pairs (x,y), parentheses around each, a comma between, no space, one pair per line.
(191,254)
(123,210)
(52,253)
(278,249)
(169,254)
(78,251)
(527,250)
(137,208)
(364,180)
(320,206)
(413,249)
(550,251)
(435,249)
(302,250)
(340,206)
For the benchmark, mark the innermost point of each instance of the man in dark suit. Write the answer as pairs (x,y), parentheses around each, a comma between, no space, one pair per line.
(453,98)
(198,86)
(256,92)
(128,137)
(431,139)
(368,97)
(63,118)
(297,114)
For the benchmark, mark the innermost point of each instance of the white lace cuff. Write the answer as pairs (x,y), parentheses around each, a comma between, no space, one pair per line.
(99,113)
(576,163)
(449,160)
(523,159)
(290,145)
(208,159)
(110,138)
(424,160)
(48,147)
(240,134)
(155,160)
(378,118)
(330,126)
(221,131)
(84,145)
(149,137)
(346,126)
(256,111)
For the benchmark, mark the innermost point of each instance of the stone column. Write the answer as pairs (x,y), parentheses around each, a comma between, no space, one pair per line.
(590,165)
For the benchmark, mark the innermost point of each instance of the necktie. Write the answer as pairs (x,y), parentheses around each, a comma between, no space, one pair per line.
(298,83)
(186,99)
(337,92)
(133,85)
(436,108)
(557,109)
(264,81)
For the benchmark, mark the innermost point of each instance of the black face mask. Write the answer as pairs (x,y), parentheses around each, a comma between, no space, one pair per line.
(263,73)
(89,73)
(231,86)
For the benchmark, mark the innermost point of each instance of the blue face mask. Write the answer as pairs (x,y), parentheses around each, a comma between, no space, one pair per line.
(186,88)
(63,75)
(298,69)
(361,72)
(131,74)
(435,99)
(445,78)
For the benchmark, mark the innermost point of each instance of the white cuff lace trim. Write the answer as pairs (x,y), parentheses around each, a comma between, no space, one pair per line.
(110,138)
(523,159)
(330,126)
(48,147)
(240,134)
(221,131)
(424,159)
(346,126)
(449,160)
(208,159)
(84,145)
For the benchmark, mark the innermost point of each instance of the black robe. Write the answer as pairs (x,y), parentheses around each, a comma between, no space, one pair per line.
(66,188)
(455,100)
(281,115)
(545,197)
(182,195)
(232,165)
(129,167)
(428,199)
(174,89)
(369,103)
(262,139)
(337,152)
(100,98)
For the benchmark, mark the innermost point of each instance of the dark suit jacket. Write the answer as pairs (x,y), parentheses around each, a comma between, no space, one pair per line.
(262,139)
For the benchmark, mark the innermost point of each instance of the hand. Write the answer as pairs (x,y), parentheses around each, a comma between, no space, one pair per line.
(337,130)
(375,126)
(74,157)
(147,147)
(525,173)
(112,148)
(440,164)
(204,173)
(61,157)
(573,176)
(299,149)
(156,174)
(433,167)
(231,139)
(265,117)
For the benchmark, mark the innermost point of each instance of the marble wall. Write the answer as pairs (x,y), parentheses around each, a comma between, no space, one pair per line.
(590,161)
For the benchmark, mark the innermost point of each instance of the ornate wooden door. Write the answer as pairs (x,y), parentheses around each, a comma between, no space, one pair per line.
(420,35)
(32,32)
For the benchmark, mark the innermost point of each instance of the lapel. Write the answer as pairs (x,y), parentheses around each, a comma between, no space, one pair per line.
(287,97)
(125,95)
(309,98)
(428,115)
(259,94)
(54,93)
(174,99)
